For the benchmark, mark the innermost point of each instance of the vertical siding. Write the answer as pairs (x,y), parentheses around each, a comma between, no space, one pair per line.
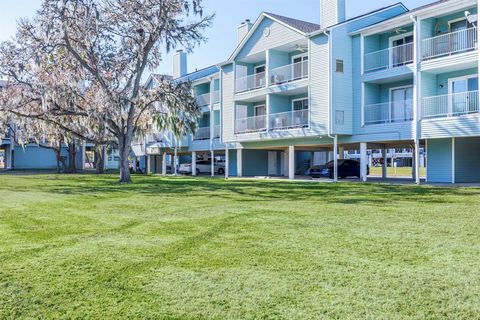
(228,104)
(34,157)
(467,158)
(255,162)
(439,160)
(319,80)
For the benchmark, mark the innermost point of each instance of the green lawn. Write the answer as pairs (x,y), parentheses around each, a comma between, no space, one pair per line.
(397,172)
(84,247)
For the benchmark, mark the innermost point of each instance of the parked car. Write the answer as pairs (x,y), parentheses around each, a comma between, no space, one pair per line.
(203,166)
(346,168)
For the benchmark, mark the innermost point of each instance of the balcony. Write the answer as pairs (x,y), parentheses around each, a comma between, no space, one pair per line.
(289,73)
(389,58)
(202,133)
(450,105)
(251,124)
(388,112)
(450,44)
(251,82)
(216,96)
(203,100)
(289,120)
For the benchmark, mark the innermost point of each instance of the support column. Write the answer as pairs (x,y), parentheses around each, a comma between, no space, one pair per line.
(291,162)
(105,158)
(148,166)
(240,162)
(82,156)
(8,157)
(335,159)
(417,161)
(363,161)
(164,164)
(175,161)
(285,163)
(194,163)
(227,163)
(341,153)
(212,163)
(385,164)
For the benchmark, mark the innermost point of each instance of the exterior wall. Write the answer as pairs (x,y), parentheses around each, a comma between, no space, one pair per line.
(467,158)
(255,162)
(34,157)
(319,85)
(439,160)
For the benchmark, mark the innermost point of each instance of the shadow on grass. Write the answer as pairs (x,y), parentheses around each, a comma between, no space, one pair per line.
(241,190)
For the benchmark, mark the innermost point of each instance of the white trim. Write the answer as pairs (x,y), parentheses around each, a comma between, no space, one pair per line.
(362,52)
(260,66)
(300,99)
(425,161)
(391,46)
(259,106)
(391,100)
(450,87)
(450,22)
(363,104)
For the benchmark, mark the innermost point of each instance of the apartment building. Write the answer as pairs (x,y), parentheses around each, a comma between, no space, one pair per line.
(295,93)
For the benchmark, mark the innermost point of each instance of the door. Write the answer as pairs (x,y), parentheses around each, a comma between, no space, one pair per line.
(402,52)
(300,112)
(401,104)
(300,67)
(241,114)
(260,76)
(260,117)
(272,163)
(464,95)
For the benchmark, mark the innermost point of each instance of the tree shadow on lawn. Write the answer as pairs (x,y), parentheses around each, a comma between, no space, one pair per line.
(248,190)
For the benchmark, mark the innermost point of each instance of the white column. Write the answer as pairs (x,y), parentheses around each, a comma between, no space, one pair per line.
(83,155)
(417,162)
(148,167)
(105,158)
(363,161)
(385,163)
(335,158)
(175,161)
(240,162)
(194,163)
(341,153)
(227,164)
(291,162)
(164,164)
(453,161)
(212,164)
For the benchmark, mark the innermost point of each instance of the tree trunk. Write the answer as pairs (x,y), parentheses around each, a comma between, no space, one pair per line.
(124,148)
(72,158)
(100,160)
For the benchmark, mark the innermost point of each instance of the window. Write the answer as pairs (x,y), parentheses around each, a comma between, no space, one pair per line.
(300,104)
(340,117)
(260,110)
(300,67)
(339,66)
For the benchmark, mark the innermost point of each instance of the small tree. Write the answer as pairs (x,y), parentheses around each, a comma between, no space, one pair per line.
(112,44)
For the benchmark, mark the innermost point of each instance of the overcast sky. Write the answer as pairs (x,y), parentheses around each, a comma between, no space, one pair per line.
(229,14)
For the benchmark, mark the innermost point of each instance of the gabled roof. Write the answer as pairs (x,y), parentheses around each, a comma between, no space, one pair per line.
(299,25)
(155,78)
(302,27)
(199,74)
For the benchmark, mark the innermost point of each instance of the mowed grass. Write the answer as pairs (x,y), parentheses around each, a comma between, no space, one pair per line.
(397,172)
(85,247)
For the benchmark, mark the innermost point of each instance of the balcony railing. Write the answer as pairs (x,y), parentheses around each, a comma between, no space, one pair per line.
(251,124)
(393,111)
(450,43)
(389,58)
(216,131)
(203,100)
(450,105)
(251,82)
(216,96)
(289,73)
(202,133)
(289,120)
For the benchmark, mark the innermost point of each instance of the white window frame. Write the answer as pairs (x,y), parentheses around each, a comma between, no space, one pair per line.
(308,108)
(390,94)
(390,45)
(257,107)
(450,88)
(301,55)
(450,22)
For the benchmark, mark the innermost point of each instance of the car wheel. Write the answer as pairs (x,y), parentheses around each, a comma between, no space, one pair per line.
(221,171)
(197,171)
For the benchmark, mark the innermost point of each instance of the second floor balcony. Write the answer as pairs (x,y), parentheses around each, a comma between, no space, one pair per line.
(203,99)
(251,124)
(389,112)
(288,120)
(202,133)
(250,82)
(289,73)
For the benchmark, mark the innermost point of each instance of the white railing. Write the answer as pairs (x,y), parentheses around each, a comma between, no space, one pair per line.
(388,112)
(216,132)
(202,133)
(450,43)
(289,73)
(389,58)
(251,124)
(203,100)
(289,120)
(450,105)
(251,82)
(216,96)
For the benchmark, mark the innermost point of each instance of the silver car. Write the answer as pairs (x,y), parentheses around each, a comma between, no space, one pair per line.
(203,166)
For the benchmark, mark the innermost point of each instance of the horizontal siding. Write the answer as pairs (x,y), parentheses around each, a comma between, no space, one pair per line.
(462,126)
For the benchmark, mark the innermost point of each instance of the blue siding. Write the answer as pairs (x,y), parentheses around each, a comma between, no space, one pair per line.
(439,160)
(255,162)
(467,158)
(34,157)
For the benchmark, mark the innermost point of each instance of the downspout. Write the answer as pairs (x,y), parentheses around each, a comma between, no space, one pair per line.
(330,105)
(416,101)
